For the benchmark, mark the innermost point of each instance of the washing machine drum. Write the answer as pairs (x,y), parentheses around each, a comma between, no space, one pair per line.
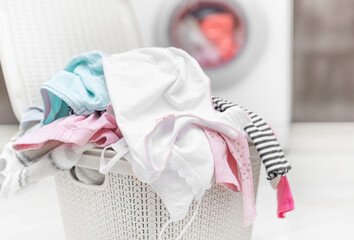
(225,36)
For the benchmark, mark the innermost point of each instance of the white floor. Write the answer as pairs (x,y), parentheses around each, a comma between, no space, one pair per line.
(32,213)
(322,180)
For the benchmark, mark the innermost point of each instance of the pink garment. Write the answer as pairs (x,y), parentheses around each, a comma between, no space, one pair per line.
(285,197)
(100,128)
(224,175)
(231,156)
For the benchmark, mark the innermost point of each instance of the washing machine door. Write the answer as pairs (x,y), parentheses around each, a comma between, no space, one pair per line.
(225,36)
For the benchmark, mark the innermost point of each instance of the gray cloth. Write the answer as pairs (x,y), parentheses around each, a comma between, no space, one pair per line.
(21,168)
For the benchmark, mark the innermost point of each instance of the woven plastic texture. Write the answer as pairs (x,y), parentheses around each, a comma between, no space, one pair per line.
(125,209)
(48,33)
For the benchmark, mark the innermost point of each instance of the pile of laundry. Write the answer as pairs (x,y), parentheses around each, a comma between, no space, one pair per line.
(208,34)
(154,107)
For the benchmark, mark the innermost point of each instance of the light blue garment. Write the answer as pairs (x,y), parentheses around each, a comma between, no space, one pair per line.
(80,85)
(32,116)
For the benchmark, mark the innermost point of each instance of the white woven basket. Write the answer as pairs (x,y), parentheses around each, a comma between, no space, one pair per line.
(37,38)
(123,208)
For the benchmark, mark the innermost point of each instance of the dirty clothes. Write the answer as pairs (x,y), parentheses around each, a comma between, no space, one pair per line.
(79,88)
(99,128)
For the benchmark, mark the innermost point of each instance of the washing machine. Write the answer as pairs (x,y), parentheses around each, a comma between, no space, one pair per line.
(244,46)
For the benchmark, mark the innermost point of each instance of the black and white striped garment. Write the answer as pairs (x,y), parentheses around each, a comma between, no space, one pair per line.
(263,138)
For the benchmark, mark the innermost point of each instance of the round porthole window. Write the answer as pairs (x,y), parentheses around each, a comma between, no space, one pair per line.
(224,36)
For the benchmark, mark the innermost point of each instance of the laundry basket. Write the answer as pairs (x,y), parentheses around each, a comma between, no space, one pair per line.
(37,39)
(123,208)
